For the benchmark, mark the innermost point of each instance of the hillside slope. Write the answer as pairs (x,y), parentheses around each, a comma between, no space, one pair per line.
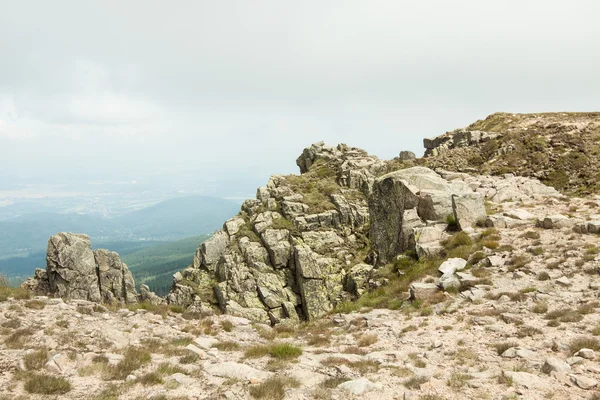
(560,149)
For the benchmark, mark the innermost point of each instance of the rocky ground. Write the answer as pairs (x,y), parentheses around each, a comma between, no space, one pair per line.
(527,328)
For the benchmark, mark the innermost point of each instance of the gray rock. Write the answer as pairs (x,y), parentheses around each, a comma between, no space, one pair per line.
(209,253)
(468,208)
(423,291)
(406,155)
(358,278)
(71,267)
(233,225)
(554,364)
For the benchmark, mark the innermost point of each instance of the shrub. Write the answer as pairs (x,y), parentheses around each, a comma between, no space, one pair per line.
(47,384)
(584,343)
(503,346)
(415,382)
(543,276)
(36,359)
(227,325)
(133,359)
(285,351)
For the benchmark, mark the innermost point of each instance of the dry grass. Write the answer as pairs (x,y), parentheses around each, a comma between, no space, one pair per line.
(273,388)
(366,340)
(35,304)
(151,378)
(227,346)
(584,342)
(281,351)
(564,315)
(503,346)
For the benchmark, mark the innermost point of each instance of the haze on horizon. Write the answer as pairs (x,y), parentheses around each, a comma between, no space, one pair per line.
(234,89)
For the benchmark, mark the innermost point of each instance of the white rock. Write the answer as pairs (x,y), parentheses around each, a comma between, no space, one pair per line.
(584,382)
(564,281)
(520,214)
(182,379)
(451,265)
(195,349)
(586,353)
(360,386)
(530,381)
(205,342)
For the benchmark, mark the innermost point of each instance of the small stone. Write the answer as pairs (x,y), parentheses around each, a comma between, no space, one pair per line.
(451,265)
(359,386)
(584,382)
(195,349)
(588,354)
(554,364)
(130,378)
(564,281)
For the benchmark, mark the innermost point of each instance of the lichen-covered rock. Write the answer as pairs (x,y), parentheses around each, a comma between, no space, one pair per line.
(278,246)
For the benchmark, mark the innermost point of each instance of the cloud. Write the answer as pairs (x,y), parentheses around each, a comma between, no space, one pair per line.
(232,87)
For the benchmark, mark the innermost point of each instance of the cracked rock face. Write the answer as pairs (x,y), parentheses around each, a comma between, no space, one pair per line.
(71,267)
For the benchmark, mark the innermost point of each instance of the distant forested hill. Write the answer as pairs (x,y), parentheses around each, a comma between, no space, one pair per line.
(155,266)
(23,240)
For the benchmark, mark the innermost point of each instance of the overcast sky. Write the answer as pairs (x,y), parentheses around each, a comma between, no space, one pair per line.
(241,87)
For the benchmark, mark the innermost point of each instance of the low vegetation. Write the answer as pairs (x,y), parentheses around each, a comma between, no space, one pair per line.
(47,385)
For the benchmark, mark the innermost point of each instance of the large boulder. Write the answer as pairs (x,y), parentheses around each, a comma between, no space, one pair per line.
(74,271)
(403,201)
(71,267)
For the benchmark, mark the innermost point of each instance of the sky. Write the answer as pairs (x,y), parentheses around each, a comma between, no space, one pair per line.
(234,89)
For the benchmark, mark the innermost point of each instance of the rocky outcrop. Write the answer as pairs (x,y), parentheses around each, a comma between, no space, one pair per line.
(287,253)
(404,202)
(74,271)
(458,138)
(307,243)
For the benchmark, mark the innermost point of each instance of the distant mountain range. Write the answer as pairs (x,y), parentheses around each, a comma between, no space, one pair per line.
(23,239)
